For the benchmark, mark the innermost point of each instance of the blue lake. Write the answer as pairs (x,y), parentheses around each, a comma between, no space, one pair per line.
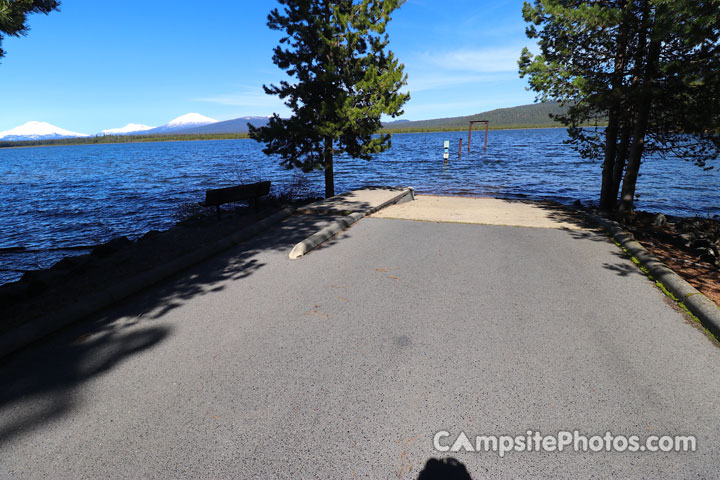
(58,197)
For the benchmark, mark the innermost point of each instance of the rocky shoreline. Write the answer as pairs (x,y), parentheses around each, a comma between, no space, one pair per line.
(697,236)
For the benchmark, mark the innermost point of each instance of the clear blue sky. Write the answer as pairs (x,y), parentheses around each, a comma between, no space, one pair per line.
(99,64)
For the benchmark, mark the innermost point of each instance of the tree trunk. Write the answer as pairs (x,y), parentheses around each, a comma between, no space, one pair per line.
(627,197)
(329,174)
(607,198)
(611,132)
(621,158)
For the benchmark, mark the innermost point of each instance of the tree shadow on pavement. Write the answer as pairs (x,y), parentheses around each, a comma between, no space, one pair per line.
(622,269)
(625,267)
(42,383)
(586,228)
(40,389)
(589,231)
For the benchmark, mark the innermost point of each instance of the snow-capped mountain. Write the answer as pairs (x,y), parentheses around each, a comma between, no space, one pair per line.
(188,124)
(38,131)
(189,120)
(129,128)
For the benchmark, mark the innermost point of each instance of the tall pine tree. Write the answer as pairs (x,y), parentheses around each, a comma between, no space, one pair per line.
(647,67)
(342,80)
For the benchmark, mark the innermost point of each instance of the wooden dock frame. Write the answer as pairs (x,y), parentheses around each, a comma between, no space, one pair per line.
(487,126)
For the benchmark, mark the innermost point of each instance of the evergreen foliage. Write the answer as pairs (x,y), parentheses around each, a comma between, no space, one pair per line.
(342,79)
(651,68)
(13,16)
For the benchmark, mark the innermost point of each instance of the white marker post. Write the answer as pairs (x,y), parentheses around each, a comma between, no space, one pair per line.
(446,153)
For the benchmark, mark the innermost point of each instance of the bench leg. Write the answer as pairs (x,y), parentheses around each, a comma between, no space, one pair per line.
(219,212)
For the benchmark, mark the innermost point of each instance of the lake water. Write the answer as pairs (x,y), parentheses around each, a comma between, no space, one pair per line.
(58,197)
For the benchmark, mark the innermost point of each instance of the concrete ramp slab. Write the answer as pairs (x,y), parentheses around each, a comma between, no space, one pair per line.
(487,211)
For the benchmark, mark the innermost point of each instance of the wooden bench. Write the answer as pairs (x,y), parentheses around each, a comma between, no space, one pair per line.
(239,193)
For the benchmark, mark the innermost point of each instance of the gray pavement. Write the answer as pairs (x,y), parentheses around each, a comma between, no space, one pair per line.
(345,363)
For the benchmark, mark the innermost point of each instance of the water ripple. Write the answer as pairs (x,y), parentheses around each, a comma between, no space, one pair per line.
(56,197)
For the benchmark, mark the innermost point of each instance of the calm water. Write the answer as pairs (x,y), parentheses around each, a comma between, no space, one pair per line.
(58,197)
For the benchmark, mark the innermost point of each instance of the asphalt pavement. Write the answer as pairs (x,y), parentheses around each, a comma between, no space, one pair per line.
(347,362)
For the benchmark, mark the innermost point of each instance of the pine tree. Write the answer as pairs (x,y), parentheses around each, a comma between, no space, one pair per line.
(13,15)
(647,67)
(342,80)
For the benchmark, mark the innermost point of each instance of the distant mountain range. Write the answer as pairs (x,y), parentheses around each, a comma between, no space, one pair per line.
(533,115)
(237,125)
(188,124)
(176,125)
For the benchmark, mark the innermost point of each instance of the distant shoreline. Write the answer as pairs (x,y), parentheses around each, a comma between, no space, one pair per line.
(464,130)
(120,139)
(117,140)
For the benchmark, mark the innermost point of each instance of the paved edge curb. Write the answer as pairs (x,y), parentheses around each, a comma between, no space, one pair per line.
(342,223)
(694,301)
(34,330)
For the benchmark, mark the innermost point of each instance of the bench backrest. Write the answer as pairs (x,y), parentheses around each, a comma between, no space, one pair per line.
(218,196)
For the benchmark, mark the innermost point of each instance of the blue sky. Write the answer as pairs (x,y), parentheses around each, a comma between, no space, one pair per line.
(98,64)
